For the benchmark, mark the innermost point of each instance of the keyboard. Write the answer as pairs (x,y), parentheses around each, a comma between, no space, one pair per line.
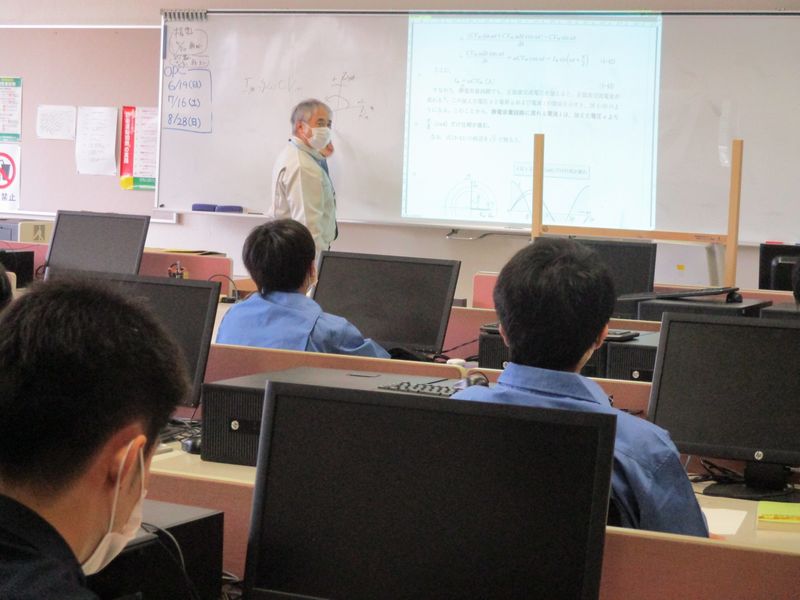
(176,432)
(439,390)
(677,293)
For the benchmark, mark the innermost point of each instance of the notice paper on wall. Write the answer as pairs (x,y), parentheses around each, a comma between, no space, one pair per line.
(10,109)
(96,140)
(138,141)
(55,122)
(9,177)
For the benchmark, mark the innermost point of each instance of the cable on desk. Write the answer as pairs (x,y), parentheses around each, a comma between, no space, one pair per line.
(721,474)
(234,296)
(459,346)
(231,586)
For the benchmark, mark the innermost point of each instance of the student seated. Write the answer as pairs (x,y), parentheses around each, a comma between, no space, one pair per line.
(279,256)
(87,380)
(554,300)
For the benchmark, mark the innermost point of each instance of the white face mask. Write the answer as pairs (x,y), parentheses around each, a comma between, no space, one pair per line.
(113,542)
(320,137)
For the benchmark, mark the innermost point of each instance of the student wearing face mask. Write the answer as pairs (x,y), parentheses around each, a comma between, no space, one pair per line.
(301,185)
(87,380)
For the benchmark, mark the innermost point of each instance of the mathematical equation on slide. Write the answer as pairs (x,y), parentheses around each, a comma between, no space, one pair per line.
(186,96)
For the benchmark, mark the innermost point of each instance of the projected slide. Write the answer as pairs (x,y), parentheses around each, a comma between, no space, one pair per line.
(478,88)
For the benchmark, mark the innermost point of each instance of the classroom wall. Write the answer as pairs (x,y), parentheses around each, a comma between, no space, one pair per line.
(686,264)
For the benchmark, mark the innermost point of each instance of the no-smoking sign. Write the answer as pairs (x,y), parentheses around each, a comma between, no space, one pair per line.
(9,177)
(8,170)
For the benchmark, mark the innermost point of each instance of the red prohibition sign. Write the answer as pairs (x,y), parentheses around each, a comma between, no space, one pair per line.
(8,170)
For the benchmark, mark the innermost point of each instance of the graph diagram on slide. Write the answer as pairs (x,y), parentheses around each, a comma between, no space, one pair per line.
(480,87)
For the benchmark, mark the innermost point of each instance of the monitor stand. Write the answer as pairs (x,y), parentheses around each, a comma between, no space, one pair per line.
(761,482)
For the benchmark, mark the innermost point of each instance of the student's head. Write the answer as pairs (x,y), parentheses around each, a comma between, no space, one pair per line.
(279,255)
(554,299)
(6,291)
(87,380)
(311,115)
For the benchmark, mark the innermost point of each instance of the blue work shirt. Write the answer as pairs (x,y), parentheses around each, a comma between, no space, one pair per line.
(292,321)
(648,483)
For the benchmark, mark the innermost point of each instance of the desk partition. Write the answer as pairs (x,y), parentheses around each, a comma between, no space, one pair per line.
(157,262)
(752,565)
(657,566)
(225,362)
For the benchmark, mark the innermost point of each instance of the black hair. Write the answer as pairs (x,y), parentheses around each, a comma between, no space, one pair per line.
(6,292)
(796,281)
(278,255)
(78,362)
(553,298)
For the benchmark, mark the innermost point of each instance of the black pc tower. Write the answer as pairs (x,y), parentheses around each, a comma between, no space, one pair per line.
(149,566)
(652,310)
(633,360)
(494,354)
(775,263)
(19,262)
(783,310)
(232,407)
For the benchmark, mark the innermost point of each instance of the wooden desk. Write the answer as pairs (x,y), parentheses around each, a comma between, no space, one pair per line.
(637,565)
(180,476)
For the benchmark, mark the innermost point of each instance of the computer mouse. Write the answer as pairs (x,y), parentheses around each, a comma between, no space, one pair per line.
(733,297)
(191,444)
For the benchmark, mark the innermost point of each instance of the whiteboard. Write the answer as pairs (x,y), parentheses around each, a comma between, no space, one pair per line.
(721,76)
(253,70)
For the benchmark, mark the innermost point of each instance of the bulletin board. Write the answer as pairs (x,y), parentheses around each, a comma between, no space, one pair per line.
(79,67)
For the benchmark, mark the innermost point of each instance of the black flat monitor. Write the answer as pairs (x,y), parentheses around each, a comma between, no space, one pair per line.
(99,242)
(363,494)
(632,266)
(726,387)
(399,302)
(186,308)
(775,263)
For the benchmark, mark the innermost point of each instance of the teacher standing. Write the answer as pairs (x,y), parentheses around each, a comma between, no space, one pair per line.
(302,187)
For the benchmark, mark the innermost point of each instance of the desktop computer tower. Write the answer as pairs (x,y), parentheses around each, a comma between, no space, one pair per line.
(633,360)
(492,350)
(232,407)
(19,262)
(651,310)
(493,353)
(148,567)
(784,310)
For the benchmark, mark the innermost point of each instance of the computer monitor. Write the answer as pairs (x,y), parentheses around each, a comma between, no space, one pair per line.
(632,266)
(363,494)
(399,302)
(726,387)
(101,242)
(775,263)
(186,308)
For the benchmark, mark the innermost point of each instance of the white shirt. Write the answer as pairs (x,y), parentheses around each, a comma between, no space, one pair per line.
(303,191)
